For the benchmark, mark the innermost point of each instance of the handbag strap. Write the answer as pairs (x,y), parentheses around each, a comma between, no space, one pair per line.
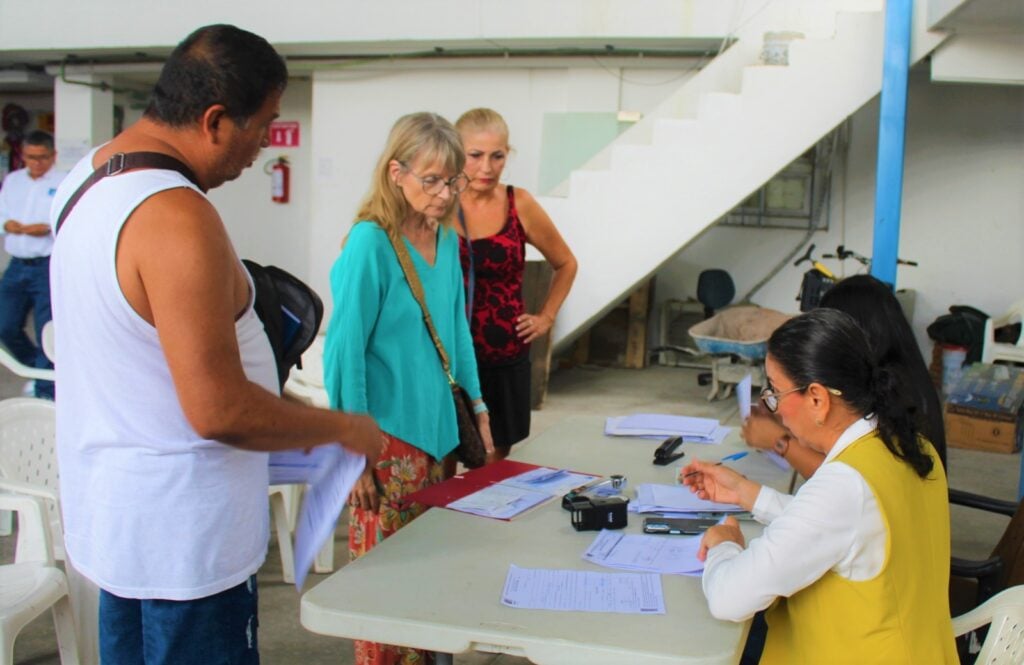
(417,292)
(126,161)
(471,283)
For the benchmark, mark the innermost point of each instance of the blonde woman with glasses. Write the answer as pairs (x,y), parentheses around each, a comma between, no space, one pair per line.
(379,357)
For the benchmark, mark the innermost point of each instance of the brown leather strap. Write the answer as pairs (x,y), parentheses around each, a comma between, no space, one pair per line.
(417,292)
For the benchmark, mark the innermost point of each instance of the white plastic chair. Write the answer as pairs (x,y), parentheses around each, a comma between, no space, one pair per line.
(304,385)
(28,465)
(12,363)
(28,456)
(48,340)
(283,498)
(993,350)
(1004,644)
(33,583)
(307,384)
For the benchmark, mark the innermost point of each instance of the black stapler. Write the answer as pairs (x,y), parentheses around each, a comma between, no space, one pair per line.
(665,453)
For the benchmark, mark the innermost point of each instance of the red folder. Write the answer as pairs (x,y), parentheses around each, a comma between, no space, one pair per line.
(465,484)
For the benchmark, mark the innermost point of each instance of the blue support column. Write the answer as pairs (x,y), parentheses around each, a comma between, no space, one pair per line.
(891,137)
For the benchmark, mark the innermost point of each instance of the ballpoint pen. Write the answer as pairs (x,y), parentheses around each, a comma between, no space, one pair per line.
(727,458)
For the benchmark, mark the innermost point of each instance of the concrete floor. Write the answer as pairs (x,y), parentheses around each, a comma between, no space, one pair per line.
(580,390)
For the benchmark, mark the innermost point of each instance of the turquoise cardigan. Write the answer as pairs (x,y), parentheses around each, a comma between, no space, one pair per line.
(378,356)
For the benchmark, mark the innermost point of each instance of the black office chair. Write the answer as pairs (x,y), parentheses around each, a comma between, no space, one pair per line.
(973,582)
(715,290)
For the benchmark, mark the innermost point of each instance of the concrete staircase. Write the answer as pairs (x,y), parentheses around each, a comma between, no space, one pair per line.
(725,133)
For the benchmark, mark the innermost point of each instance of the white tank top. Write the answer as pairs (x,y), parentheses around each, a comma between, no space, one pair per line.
(151,509)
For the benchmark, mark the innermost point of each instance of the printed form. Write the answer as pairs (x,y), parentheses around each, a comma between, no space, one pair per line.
(514,495)
(329,473)
(583,591)
(674,555)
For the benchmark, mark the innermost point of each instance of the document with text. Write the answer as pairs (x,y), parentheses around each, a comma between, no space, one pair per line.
(674,555)
(329,473)
(653,498)
(583,591)
(516,494)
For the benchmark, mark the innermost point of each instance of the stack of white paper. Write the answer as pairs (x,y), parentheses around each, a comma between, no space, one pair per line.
(583,591)
(651,498)
(660,426)
(674,555)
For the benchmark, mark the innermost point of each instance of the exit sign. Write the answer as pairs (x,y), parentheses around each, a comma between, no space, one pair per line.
(284,134)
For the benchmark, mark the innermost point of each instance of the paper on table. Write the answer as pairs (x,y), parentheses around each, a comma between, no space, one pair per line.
(499,501)
(329,472)
(655,498)
(613,427)
(675,555)
(658,423)
(583,591)
(743,389)
(551,481)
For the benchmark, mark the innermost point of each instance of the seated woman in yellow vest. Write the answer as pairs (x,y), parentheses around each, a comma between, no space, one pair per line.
(855,567)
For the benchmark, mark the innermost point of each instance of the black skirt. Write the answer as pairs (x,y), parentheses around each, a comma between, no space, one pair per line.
(506,391)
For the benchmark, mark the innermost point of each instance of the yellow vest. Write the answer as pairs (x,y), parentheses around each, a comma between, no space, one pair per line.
(902,614)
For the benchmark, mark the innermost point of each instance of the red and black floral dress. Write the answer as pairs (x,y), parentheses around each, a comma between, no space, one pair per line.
(503,359)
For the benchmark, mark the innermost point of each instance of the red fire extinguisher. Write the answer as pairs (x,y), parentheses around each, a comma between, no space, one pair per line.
(280,180)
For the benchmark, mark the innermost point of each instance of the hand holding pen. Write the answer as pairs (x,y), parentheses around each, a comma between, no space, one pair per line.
(715,482)
(727,458)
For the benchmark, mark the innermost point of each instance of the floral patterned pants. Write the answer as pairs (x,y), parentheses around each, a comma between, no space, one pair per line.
(401,470)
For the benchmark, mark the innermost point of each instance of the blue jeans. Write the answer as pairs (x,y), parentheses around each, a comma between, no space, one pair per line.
(216,630)
(25,287)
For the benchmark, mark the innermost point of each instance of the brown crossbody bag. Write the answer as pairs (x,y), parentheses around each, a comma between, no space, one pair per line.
(470,450)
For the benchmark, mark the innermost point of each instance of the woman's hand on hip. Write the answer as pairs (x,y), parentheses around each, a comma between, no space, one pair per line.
(364,494)
(531,326)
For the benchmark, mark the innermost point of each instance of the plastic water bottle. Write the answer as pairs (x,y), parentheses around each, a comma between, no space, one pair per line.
(953,358)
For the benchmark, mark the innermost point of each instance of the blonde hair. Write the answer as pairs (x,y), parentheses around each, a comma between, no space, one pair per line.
(482,120)
(417,136)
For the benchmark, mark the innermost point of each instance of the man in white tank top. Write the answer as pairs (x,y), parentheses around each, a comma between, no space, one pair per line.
(169,396)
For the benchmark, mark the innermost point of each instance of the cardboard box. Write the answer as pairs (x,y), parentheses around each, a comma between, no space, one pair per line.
(964,431)
(984,409)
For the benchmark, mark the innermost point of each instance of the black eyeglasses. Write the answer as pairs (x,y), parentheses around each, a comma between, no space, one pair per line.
(434,185)
(771,398)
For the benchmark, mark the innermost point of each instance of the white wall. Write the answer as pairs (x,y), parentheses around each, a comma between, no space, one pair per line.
(268,232)
(962,220)
(353,111)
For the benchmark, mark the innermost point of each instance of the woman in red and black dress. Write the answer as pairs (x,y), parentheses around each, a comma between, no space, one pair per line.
(498,221)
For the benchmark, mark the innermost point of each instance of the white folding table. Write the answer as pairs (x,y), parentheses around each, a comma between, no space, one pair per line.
(436,584)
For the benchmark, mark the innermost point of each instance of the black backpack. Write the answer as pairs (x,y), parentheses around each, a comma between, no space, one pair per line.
(963,326)
(291,312)
(299,313)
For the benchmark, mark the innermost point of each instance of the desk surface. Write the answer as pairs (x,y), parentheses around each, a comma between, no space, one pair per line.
(436,584)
